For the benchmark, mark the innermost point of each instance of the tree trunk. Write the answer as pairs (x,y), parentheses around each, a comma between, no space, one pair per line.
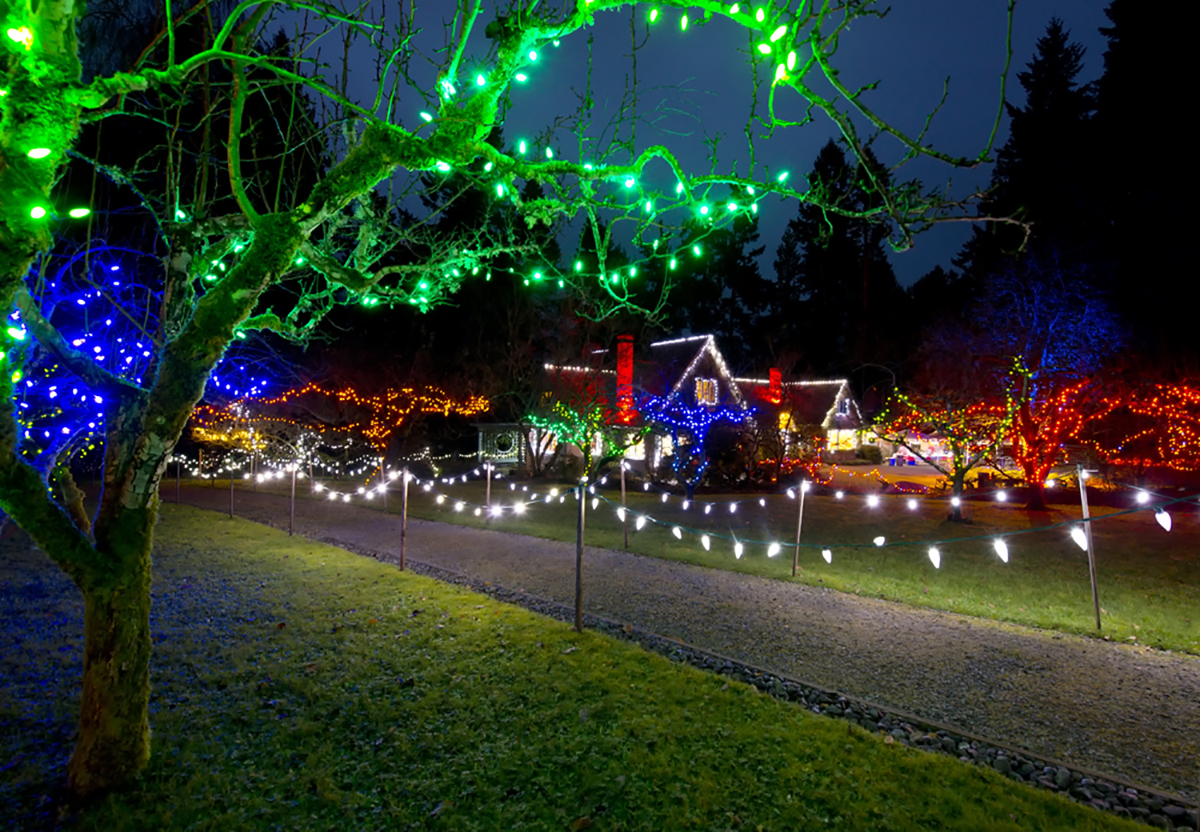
(114,723)
(1035,486)
(958,480)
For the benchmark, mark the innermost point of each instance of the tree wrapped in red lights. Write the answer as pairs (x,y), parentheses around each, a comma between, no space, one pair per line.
(689,426)
(1156,426)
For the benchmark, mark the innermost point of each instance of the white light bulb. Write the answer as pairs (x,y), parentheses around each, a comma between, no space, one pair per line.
(738,548)
(912,504)
(879,541)
(828,555)
(705,542)
(791,494)
(955,501)
(1002,496)
(935,557)
(732,508)
(664,499)
(519,508)
(873,501)
(595,503)
(1143,497)
(773,550)
(1163,519)
(685,505)
(641,521)
(441,498)
(678,532)
(762,502)
(1001,549)
(840,494)
(621,514)
(708,509)
(459,506)
(478,512)
(1080,538)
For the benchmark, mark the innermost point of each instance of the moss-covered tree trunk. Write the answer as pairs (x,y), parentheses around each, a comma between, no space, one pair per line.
(114,718)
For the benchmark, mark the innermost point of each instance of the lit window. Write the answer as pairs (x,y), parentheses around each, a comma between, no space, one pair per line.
(706,391)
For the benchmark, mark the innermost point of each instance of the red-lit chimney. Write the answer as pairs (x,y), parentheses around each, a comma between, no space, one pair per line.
(626,412)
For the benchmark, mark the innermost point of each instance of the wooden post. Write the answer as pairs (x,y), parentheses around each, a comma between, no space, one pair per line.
(292,510)
(799,525)
(624,511)
(403,515)
(1087,532)
(579,558)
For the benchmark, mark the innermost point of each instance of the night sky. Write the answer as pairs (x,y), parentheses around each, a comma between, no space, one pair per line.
(695,85)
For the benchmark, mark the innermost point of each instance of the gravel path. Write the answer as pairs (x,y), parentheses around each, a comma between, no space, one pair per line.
(1130,711)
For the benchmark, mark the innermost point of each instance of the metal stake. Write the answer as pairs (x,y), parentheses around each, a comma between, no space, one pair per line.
(1087,531)
(624,511)
(487,499)
(292,512)
(799,525)
(230,493)
(579,559)
(178,464)
(403,516)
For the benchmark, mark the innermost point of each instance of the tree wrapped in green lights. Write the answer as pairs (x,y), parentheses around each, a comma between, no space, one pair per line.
(335,243)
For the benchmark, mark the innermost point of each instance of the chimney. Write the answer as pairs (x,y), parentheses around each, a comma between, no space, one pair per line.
(626,412)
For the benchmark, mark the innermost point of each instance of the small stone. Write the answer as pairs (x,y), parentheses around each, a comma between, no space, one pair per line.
(899,733)
(1062,778)
(949,745)
(870,725)
(833,711)
(1159,821)
(1002,765)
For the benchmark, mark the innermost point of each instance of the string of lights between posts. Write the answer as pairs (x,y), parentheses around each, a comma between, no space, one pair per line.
(642,519)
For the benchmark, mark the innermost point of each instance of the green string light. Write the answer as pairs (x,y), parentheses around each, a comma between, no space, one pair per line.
(764,49)
(782,177)
(778,33)
(38,153)
(521,147)
(426,116)
(653,15)
(480,80)
(683,23)
(735,8)
(532,55)
(444,167)
(760,15)
(37,212)
(549,153)
(78,213)
(522,77)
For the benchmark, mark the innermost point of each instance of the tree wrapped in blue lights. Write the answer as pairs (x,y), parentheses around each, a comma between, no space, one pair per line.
(689,426)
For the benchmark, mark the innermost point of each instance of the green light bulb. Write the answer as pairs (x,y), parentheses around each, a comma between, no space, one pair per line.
(673,263)
(704,210)
(532,55)
(38,153)
(560,284)
(780,72)
(732,206)
(499,189)
(764,48)
(549,153)
(537,275)
(735,8)
(522,77)
(578,265)
(760,15)
(488,167)
(683,23)
(782,177)
(426,116)
(79,212)
(521,147)
(696,250)
(480,80)
(629,183)
(444,167)
(791,61)
(653,15)
(37,212)
(16,333)
(778,33)
(633,271)
(649,206)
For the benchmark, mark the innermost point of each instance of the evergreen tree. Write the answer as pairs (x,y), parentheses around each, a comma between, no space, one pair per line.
(836,296)
(720,290)
(1042,174)
(1149,227)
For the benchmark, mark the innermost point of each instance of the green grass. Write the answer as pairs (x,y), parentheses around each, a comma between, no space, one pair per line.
(1148,578)
(298,686)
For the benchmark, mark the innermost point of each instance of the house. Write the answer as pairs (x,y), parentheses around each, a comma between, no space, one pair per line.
(692,370)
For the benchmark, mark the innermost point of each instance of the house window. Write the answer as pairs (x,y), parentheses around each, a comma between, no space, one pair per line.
(843,407)
(706,391)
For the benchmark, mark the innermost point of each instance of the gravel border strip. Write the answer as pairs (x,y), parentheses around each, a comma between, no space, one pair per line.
(1101,791)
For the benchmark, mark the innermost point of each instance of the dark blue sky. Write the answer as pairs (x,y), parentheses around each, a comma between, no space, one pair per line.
(696,85)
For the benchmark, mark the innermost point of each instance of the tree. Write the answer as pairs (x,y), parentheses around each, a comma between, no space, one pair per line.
(689,426)
(836,294)
(1044,172)
(1054,331)
(271,259)
(1149,219)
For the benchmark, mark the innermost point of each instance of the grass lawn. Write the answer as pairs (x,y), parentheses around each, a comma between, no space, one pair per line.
(1149,580)
(298,686)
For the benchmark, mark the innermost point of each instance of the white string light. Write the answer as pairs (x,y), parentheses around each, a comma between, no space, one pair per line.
(1001,549)
(828,555)
(1080,537)
(1163,519)
(935,557)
